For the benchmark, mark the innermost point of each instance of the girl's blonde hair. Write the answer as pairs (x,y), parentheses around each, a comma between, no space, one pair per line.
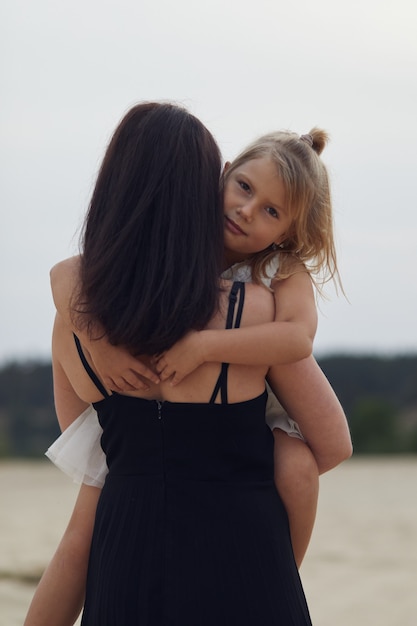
(310,240)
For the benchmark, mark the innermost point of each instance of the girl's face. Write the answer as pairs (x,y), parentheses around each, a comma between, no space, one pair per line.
(255,209)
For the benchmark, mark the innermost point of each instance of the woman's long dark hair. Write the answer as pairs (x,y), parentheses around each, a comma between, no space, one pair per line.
(153,236)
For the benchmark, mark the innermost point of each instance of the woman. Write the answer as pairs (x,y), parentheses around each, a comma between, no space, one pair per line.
(189,527)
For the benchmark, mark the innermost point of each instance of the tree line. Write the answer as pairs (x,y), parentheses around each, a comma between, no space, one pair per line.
(378,394)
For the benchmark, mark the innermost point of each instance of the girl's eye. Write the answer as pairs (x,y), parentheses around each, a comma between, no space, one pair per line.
(244,185)
(273,212)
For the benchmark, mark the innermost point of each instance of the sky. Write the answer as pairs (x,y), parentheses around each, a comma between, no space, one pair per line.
(70,70)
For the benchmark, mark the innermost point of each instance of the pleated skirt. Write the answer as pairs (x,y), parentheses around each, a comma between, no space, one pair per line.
(192,553)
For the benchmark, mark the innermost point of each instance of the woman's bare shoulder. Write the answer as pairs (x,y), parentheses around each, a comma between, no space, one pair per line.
(259,306)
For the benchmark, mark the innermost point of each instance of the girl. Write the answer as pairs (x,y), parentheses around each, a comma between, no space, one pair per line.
(278,230)
(189,527)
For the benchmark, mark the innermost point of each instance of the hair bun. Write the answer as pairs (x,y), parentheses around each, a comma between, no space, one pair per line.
(317,139)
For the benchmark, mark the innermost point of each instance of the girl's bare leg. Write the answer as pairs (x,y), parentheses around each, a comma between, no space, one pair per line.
(297,480)
(59,597)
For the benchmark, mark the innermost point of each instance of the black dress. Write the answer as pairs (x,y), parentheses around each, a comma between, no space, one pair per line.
(190,530)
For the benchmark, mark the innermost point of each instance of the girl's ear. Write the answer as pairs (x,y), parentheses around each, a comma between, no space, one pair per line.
(285,238)
(226,167)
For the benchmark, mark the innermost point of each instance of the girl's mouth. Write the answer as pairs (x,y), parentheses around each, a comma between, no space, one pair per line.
(233,227)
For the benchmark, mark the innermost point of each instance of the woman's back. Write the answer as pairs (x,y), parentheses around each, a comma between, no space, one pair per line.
(244,382)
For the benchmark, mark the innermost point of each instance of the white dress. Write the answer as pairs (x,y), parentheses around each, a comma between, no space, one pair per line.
(78,452)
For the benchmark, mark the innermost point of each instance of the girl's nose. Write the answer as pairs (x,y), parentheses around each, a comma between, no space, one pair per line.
(246,211)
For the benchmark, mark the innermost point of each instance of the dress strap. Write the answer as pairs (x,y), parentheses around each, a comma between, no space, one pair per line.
(89,369)
(238,289)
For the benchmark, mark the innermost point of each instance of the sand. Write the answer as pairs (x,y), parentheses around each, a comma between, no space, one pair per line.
(361,567)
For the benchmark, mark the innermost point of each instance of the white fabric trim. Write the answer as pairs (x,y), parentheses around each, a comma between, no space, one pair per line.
(78,452)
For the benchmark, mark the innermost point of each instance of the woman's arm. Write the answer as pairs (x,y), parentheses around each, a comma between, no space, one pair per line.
(59,596)
(287,339)
(116,367)
(309,399)
(68,406)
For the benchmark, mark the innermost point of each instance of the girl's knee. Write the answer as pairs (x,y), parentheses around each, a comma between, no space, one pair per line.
(295,465)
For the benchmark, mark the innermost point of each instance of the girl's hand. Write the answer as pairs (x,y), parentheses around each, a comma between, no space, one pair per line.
(118,369)
(182,359)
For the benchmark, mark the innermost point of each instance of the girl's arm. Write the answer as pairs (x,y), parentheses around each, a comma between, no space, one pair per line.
(288,339)
(116,367)
(307,396)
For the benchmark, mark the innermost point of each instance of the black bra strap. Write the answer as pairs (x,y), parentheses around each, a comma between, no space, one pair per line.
(221,384)
(89,370)
(241,289)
